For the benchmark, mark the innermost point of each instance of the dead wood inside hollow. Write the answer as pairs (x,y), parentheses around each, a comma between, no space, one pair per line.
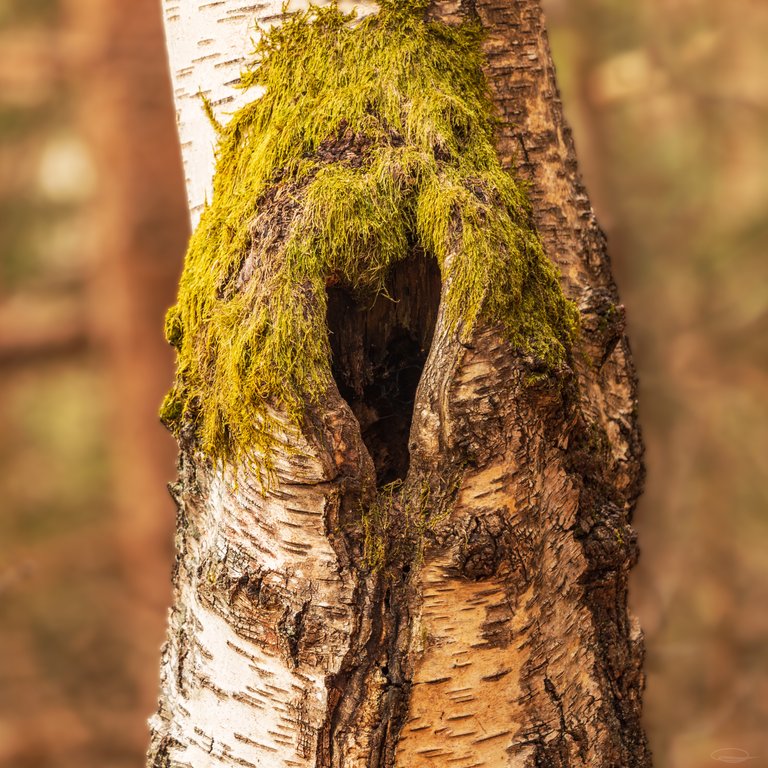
(379,346)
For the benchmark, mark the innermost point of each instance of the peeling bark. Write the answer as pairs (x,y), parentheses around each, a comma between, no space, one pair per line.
(495,631)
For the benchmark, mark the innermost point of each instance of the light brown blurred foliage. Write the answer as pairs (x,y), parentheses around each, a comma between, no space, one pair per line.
(93,226)
(669,104)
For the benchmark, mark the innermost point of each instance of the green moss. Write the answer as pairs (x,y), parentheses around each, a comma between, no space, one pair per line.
(377,519)
(370,136)
(394,525)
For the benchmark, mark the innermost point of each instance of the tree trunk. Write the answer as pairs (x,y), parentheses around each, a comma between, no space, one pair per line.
(437,574)
(138,230)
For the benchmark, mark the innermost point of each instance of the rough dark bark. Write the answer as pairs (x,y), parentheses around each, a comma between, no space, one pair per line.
(495,630)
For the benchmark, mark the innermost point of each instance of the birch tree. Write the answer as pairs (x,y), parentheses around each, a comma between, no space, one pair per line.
(404,402)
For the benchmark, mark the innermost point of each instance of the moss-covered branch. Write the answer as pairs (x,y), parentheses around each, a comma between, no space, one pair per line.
(371,138)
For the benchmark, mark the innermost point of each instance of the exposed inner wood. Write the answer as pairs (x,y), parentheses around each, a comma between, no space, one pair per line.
(464,692)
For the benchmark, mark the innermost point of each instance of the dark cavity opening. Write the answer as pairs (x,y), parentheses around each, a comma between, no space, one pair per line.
(379,347)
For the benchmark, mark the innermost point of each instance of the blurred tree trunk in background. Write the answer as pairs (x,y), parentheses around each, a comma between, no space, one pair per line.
(509,642)
(92,233)
(140,227)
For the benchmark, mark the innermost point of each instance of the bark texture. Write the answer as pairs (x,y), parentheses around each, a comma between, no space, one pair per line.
(494,497)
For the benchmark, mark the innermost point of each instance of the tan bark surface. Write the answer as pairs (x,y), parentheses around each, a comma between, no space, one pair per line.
(497,634)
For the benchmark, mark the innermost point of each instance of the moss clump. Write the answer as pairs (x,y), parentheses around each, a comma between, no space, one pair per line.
(395,523)
(370,137)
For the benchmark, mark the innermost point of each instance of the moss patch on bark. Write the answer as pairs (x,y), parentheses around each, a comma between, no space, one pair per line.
(371,138)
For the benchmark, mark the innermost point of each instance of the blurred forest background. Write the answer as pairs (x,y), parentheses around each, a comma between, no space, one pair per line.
(669,104)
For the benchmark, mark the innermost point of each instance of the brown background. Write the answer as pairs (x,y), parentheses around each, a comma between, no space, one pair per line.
(669,104)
